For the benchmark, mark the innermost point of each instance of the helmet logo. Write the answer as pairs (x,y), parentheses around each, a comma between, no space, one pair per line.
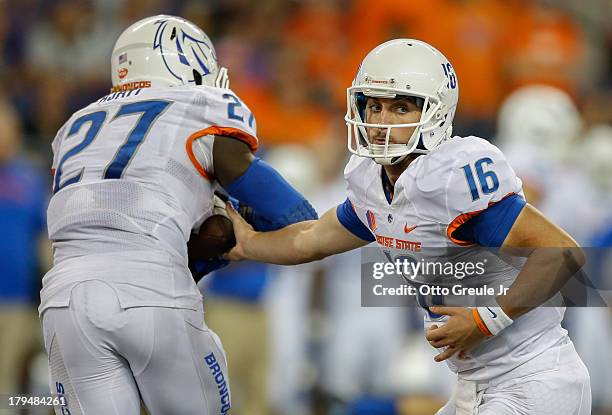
(122,73)
(370,81)
(190,51)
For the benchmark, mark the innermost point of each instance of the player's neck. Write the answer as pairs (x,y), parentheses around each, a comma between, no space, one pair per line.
(395,171)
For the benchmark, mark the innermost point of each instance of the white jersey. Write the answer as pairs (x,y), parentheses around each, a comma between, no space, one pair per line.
(432,198)
(128,190)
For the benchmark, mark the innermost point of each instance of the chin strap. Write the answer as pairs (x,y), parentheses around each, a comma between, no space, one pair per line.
(390,161)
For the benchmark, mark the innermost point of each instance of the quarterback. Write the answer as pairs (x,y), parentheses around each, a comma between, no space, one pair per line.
(134,175)
(410,179)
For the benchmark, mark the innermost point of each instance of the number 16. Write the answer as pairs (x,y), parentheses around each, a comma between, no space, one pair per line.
(484,177)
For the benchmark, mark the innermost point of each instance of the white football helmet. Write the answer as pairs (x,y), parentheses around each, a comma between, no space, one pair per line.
(541,116)
(403,67)
(163,51)
(595,154)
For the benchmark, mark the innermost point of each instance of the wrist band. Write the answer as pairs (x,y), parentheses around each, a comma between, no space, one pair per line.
(481,325)
(491,320)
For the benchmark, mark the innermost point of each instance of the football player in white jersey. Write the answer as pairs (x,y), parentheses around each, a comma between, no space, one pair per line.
(411,186)
(134,174)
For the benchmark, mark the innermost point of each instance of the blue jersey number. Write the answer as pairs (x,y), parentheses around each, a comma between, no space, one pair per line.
(450,74)
(96,120)
(149,111)
(233,106)
(488,180)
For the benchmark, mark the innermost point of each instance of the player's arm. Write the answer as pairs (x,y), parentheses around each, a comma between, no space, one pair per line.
(295,244)
(255,183)
(553,258)
(272,202)
(231,158)
(510,224)
(520,230)
(502,219)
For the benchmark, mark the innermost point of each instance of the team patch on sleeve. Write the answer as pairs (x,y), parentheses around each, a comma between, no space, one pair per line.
(348,218)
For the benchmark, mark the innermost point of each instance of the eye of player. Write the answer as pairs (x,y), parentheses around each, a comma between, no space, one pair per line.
(402,108)
(374,105)
(405,105)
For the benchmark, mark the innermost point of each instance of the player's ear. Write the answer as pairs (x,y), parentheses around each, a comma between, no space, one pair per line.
(231,158)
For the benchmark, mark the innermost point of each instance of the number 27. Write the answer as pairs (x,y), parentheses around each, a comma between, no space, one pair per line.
(236,104)
(149,111)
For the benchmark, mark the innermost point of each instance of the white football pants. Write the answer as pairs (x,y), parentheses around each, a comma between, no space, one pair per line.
(553,383)
(105,359)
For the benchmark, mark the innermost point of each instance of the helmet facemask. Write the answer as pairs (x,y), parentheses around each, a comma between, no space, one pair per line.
(424,138)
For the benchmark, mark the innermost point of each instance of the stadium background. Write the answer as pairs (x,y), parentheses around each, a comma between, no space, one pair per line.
(297,340)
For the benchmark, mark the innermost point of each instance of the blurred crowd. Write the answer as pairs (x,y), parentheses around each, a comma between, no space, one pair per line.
(535,77)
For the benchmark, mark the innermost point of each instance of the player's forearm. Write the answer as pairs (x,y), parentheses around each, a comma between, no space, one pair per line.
(291,245)
(546,271)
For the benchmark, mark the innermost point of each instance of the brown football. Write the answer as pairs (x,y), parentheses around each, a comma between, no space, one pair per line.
(216,237)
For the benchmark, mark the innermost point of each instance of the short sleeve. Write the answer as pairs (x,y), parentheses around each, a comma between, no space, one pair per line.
(491,226)
(224,114)
(349,219)
(480,178)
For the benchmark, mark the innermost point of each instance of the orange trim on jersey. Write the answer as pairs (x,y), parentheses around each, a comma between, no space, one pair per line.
(192,157)
(246,138)
(456,223)
(464,217)
(481,325)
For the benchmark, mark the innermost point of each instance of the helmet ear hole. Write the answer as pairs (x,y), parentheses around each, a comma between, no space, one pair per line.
(361,101)
(197,77)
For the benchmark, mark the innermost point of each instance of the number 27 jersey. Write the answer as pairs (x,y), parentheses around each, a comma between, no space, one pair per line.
(126,178)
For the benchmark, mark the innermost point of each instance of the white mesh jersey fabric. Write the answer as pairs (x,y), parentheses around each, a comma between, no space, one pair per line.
(124,181)
(428,196)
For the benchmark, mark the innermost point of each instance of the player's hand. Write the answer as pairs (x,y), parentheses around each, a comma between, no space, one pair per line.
(242,231)
(460,334)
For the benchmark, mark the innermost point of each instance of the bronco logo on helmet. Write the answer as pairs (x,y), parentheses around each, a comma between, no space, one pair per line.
(186,46)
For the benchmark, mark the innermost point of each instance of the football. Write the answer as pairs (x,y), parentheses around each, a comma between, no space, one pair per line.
(215,237)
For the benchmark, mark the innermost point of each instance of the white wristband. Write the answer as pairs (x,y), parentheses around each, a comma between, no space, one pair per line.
(494,318)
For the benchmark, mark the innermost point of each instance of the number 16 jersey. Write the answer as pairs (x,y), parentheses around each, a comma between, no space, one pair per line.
(435,195)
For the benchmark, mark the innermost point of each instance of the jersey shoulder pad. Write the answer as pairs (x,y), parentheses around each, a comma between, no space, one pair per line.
(354,164)
(463,177)
(359,174)
(225,109)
